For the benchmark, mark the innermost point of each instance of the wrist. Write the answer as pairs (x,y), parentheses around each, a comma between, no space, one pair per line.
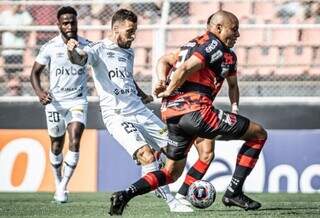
(234,108)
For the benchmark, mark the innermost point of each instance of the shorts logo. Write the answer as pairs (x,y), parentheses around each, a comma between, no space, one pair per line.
(171,142)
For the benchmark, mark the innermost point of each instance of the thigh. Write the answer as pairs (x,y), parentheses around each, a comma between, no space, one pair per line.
(179,141)
(213,122)
(77,113)
(126,133)
(55,122)
(154,130)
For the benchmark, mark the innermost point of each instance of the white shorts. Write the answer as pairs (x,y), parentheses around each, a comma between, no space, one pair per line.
(134,131)
(58,117)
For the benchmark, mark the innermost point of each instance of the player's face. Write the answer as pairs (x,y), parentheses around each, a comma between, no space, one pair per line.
(230,33)
(68,26)
(125,33)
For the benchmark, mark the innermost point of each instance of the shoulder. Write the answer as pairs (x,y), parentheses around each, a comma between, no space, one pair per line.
(49,44)
(83,41)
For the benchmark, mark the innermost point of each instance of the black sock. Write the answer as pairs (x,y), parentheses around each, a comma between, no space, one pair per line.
(138,188)
(235,186)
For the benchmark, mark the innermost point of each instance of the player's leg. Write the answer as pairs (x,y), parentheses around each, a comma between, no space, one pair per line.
(75,119)
(176,153)
(248,155)
(205,148)
(155,133)
(218,122)
(56,130)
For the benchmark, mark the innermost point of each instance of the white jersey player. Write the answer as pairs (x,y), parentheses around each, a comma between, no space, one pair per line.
(65,101)
(127,119)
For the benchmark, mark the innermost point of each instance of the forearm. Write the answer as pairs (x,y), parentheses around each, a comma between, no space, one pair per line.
(178,78)
(234,95)
(162,69)
(78,57)
(35,82)
(140,92)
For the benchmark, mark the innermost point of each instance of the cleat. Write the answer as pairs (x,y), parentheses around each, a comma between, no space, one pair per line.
(241,201)
(182,199)
(119,201)
(177,207)
(159,193)
(61,196)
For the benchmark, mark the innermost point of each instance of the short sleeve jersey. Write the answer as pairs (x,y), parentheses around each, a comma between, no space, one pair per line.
(113,77)
(201,87)
(67,81)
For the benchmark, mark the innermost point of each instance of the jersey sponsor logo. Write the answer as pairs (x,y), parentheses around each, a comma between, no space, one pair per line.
(59,54)
(215,56)
(211,46)
(123,91)
(119,74)
(190,44)
(70,71)
(121,59)
(110,54)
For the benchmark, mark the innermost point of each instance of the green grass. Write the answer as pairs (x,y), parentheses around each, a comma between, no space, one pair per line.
(96,205)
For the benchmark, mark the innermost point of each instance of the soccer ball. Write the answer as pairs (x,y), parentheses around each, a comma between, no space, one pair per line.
(201,194)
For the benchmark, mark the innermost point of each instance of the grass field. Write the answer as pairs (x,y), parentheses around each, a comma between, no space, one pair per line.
(96,205)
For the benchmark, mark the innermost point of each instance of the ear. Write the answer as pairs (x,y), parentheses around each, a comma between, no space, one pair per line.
(219,27)
(115,29)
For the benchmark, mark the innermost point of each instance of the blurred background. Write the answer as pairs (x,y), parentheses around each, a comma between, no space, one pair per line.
(278,50)
(279,77)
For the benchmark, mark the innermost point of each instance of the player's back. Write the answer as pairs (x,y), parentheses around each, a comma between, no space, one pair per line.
(68,82)
(113,77)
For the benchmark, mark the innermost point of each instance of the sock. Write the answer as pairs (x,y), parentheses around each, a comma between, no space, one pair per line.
(70,163)
(56,163)
(163,190)
(196,172)
(246,160)
(149,182)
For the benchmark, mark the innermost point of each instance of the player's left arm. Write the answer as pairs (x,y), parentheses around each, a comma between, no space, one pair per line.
(233,93)
(190,66)
(144,97)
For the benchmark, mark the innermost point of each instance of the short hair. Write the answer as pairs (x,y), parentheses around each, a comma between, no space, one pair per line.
(209,18)
(66,10)
(122,15)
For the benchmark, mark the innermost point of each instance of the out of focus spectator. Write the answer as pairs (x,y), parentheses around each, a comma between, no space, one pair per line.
(14,87)
(289,9)
(14,42)
(44,15)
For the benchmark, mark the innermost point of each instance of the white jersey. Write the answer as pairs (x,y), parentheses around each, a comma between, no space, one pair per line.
(67,81)
(113,77)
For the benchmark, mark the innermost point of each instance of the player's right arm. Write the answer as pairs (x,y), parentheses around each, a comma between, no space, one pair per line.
(44,96)
(75,54)
(164,65)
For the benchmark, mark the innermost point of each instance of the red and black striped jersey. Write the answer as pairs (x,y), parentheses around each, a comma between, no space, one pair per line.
(201,87)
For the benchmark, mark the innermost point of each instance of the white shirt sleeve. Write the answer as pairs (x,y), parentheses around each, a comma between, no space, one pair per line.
(93,55)
(44,55)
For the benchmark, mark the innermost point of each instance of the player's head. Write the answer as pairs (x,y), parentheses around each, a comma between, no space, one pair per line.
(67,22)
(225,26)
(124,26)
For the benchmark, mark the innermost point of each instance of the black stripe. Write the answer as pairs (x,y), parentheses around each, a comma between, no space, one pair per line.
(56,165)
(249,151)
(161,177)
(71,166)
(195,173)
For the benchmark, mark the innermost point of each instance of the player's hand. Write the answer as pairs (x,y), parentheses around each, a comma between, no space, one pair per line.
(44,97)
(163,94)
(147,99)
(72,44)
(159,87)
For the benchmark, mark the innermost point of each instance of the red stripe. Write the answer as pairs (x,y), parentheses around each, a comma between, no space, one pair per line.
(256,144)
(201,166)
(246,161)
(210,117)
(169,178)
(189,180)
(151,180)
(200,56)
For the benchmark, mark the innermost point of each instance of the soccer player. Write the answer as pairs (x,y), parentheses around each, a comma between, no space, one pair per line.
(187,93)
(127,119)
(65,101)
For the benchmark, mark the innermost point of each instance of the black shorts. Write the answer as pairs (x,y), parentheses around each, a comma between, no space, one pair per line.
(205,123)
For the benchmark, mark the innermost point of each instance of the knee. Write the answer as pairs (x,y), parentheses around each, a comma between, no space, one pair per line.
(261,133)
(145,155)
(206,157)
(74,144)
(56,147)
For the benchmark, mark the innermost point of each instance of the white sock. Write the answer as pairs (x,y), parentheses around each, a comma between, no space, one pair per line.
(163,189)
(69,165)
(56,164)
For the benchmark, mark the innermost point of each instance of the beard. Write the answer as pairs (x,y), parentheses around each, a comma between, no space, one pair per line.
(70,35)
